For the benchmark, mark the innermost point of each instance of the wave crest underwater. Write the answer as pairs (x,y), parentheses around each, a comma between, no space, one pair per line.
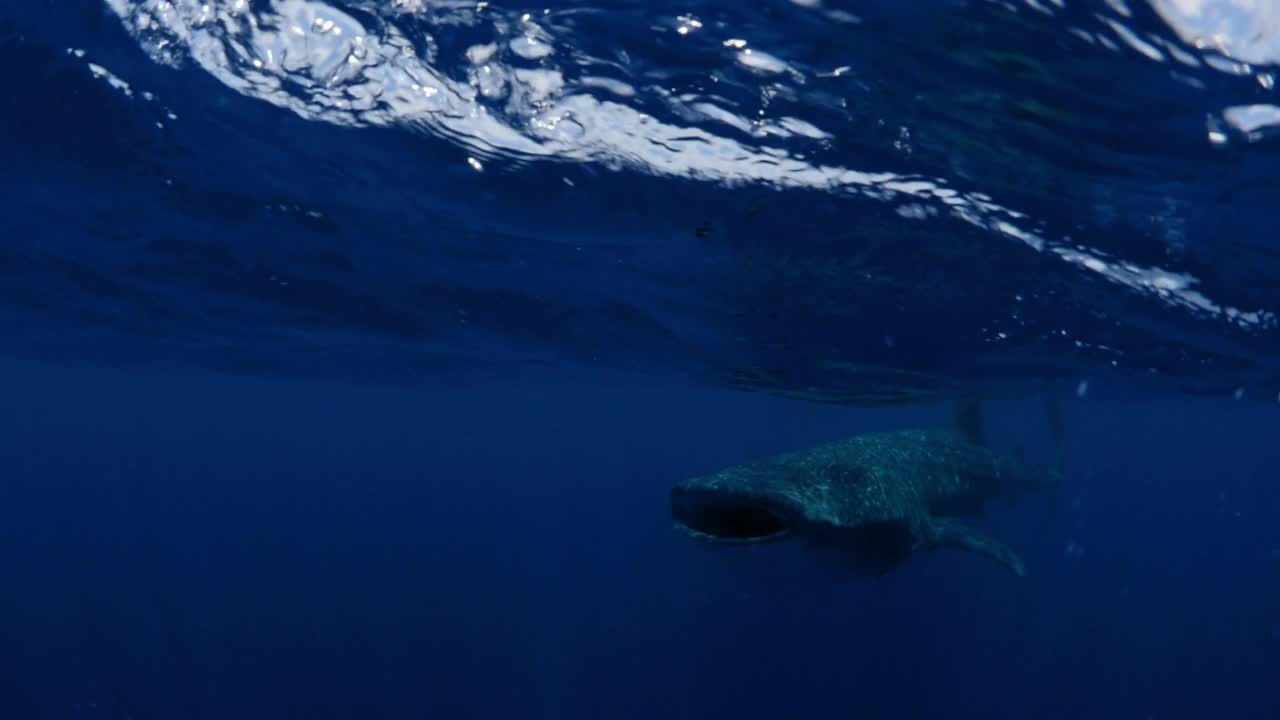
(869,205)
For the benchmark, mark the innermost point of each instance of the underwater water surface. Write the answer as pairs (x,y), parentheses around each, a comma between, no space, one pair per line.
(350,351)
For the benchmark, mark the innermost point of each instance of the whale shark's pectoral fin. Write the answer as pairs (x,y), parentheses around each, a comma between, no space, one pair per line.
(953,534)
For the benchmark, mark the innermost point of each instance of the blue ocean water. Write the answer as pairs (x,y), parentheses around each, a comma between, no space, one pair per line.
(351,349)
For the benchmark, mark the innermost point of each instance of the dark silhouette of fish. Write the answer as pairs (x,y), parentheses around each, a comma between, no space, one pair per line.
(873,499)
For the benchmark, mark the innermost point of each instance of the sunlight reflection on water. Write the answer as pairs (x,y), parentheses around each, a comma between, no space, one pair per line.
(524,94)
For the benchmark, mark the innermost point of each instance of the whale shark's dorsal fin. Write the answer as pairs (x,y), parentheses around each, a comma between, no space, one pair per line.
(968,421)
(947,533)
(1057,431)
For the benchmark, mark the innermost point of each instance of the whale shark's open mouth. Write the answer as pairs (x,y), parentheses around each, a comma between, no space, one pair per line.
(725,517)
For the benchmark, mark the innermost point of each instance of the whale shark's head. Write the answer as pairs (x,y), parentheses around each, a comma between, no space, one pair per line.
(729,516)
(722,512)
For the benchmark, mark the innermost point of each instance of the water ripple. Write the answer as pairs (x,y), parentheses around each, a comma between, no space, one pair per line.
(989,118)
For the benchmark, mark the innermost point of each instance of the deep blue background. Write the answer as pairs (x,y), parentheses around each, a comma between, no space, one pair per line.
(201,547)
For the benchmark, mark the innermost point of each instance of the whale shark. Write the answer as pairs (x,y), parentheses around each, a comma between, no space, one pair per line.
(871,501)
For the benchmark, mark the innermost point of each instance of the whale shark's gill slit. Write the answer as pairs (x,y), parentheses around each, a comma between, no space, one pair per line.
(726,518)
